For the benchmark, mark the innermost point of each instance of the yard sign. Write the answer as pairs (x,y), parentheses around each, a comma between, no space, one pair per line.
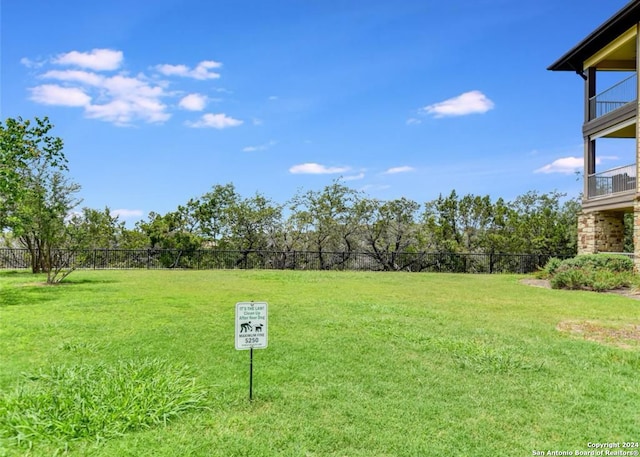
(251,325)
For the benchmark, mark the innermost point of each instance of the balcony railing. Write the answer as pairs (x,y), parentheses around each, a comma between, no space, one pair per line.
(610,182)
(614,97)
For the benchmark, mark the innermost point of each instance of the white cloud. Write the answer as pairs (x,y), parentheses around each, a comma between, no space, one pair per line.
(127,213)
(97,59)
(262,147)
(473,102)
(354,177)
(413,121)
(76,76)
(51,94)
(31,63)
(316,169)
(569,165)
(215,121)
(120,98)
(129,99)
(201,72)
(564,165)
(193,102)
(395,170)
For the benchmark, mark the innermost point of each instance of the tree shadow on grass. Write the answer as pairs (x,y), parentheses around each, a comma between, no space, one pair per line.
(74,281)
(35,289)
(21,296)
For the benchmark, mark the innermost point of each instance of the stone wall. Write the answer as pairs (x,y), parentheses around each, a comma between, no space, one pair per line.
(601,231)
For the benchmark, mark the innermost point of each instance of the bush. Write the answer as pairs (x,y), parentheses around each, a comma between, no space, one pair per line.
(569,279)
(611,262)
(550,268)
(597,272)
(603,280)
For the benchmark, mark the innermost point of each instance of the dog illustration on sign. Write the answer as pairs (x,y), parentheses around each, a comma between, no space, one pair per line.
(258,328)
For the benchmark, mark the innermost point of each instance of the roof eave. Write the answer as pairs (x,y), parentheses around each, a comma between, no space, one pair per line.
(607,32)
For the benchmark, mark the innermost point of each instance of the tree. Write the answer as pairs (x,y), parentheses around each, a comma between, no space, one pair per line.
(172,231)
(35,195)
(441,219)
(541,224)
(211,213)
(389,229)
(329,222)
(254,222)
(94,229)
(24,147)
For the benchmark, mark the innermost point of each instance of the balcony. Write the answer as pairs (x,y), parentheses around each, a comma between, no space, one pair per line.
(614,97)
(611,182)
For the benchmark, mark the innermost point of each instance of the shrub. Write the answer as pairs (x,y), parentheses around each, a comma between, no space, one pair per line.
(612,262)
(572,279)
(597,272)
(607,280)
(551,267)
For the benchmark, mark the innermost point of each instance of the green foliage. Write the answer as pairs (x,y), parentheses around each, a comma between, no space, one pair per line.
(389,229)
(612,262)
(532,224)
(541,224)
(99,401)
(597,272)
(551,266)
(24,145)
(572,279)
(603,280)
(327,221)
(93,229)
(35,195)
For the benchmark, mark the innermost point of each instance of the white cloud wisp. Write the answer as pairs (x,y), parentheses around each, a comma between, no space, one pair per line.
(121,98)
(215,121)
(569,165)
(193,102)
(396,170)
(97,59)
(316,169)
(202,71)
(473,102)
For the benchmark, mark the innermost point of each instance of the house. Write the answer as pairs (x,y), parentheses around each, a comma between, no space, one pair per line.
(607,60)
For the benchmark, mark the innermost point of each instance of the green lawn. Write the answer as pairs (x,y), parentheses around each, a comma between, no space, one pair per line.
(358,364)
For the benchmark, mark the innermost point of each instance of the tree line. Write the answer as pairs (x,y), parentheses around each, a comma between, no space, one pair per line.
(38,211)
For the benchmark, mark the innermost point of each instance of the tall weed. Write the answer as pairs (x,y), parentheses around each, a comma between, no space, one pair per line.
(74,402)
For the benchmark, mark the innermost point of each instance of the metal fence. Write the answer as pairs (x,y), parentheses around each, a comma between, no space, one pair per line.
(101,259)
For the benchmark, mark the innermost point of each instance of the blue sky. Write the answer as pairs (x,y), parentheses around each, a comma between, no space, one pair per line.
(159,100)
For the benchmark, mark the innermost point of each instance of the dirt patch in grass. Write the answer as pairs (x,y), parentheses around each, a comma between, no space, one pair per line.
(536,282)
(620,334)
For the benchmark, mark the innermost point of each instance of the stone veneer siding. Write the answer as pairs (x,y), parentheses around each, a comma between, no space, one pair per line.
(601,231)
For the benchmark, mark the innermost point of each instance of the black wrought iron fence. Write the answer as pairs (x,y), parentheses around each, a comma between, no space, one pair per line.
(208,259)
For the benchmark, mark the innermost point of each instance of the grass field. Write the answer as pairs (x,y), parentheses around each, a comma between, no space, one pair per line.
(358,364)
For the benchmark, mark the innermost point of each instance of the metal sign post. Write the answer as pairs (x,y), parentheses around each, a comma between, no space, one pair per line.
(251,331)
